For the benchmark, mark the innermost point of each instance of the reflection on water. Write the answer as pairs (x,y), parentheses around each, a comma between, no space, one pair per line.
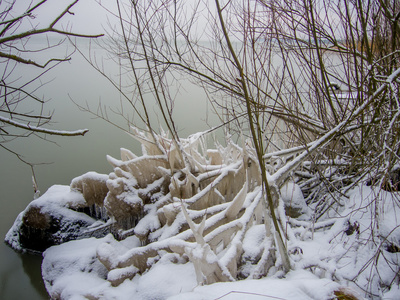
(32,268)
(20,276)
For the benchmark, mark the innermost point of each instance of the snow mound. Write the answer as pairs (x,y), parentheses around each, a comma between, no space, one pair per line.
(196,226)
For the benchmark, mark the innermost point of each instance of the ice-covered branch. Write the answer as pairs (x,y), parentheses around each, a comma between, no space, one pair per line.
(43,130)
(289,167)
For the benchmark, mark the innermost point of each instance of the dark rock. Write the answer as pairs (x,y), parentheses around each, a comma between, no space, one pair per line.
(62,214)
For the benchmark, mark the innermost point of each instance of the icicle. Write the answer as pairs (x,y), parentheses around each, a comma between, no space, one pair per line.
(36,192)
(127,155)
(237,203)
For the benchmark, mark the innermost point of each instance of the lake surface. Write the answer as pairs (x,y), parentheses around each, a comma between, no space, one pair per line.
(71,156)
(68,157)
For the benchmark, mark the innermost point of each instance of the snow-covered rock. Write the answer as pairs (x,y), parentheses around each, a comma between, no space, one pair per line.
(196,220)
(295,204)
(61,214)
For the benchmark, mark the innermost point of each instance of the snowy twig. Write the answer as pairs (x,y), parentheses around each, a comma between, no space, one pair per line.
(43,130)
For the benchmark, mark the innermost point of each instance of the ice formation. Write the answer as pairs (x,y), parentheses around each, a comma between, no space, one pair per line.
(199,207)
(183,203)
(63,213)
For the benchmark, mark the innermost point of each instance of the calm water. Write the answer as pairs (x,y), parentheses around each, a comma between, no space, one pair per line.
(70,157)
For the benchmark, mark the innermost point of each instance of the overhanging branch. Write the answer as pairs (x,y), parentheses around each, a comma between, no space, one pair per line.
(43,130)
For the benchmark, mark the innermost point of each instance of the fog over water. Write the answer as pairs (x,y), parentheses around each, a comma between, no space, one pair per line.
(69,157)
(65,158)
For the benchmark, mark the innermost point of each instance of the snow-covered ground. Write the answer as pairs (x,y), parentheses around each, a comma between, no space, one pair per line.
(323,262)
(75,273)
(207,235)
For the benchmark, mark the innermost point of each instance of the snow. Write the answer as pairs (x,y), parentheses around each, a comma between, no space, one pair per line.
(253,240)
(60,195)
(12,236)
(72,271)
(299,285)
(90,175)
(185,250)
(393,76)
(55,202)
(41,129)
(291,194)
(324,258)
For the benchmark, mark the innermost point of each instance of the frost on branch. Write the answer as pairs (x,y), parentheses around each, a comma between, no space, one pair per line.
(210,211)
(205,207)
(201,211)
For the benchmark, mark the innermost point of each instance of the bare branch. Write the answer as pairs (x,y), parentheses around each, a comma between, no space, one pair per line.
(43,130)
(31,62)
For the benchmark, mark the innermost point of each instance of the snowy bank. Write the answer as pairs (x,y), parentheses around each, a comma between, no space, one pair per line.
(61,214)
(186,222)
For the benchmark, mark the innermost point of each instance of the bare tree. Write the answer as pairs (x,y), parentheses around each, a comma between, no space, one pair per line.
(22,111)
(314,84)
